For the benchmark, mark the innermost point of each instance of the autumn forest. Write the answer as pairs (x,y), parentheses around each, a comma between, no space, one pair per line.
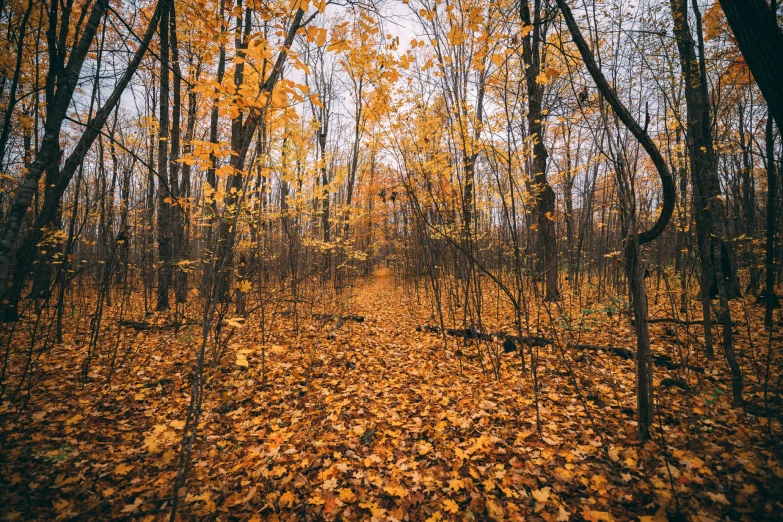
(391,260)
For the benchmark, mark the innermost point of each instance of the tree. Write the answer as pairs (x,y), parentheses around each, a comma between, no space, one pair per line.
(718,265)
(534,54)
(644,384)
(48,156)
(761,41)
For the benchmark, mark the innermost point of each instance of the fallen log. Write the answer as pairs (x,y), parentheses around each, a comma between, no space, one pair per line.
(678,321)
(626,353)
(341,320)
(527,340)
(329,317)
(145,325)
(467,333)
(324,317)
(509,341)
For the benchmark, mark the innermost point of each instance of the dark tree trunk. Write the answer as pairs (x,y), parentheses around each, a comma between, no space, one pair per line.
(644,388)
(213,131)
(166,193)
(177,185)
(49,153)
(542,191)
(769,257)
(716,256)
(761,42)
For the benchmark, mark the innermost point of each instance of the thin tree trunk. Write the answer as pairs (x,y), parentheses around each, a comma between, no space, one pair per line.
(165,189)
(542,191)
(50,146)
(769,257)
(644,389)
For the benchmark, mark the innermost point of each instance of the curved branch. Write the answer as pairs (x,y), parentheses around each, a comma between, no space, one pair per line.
(669,194)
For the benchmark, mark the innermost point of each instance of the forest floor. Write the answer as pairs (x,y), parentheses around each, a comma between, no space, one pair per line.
(380,421)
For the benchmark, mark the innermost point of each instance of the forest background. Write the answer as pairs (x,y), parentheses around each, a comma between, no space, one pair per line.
(483,259)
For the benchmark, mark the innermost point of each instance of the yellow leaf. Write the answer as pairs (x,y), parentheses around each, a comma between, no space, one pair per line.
(749,489)
(242,358)
(450,506)
(236,322)
(316,499)
(597,516)
(718,498)
(286,499)
(396,491)
(498,59)
(152,441)
(374,508)
(346,495)
(122,469)
(424,448)
(495,509)
(541,495)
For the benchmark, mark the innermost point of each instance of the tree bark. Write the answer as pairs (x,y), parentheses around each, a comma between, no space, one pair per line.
(165,189)
(761,43)
(542,190)
(50,145)
(644,387)
(769,257)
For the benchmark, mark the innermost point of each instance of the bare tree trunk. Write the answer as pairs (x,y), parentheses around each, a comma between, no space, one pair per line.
(213,129)
(761,42)
(769,257)
(181,285)
(542,190)
(49,152)
(718,265)
(165,190)
(644,390)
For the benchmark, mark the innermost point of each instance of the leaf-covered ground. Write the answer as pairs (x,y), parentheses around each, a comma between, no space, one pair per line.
(382,422)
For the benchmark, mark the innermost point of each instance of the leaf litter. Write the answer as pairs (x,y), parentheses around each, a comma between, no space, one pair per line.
(380,421)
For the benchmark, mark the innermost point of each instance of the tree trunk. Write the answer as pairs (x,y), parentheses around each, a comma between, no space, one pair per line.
(49,152)
(644,390)
(761,42)
(542,191)
(769,257)
(165,189)
(715,250)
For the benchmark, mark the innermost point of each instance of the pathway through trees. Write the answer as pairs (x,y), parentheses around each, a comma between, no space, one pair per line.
(380,420)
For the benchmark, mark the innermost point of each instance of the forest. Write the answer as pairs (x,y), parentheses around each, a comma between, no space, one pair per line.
(391,260)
